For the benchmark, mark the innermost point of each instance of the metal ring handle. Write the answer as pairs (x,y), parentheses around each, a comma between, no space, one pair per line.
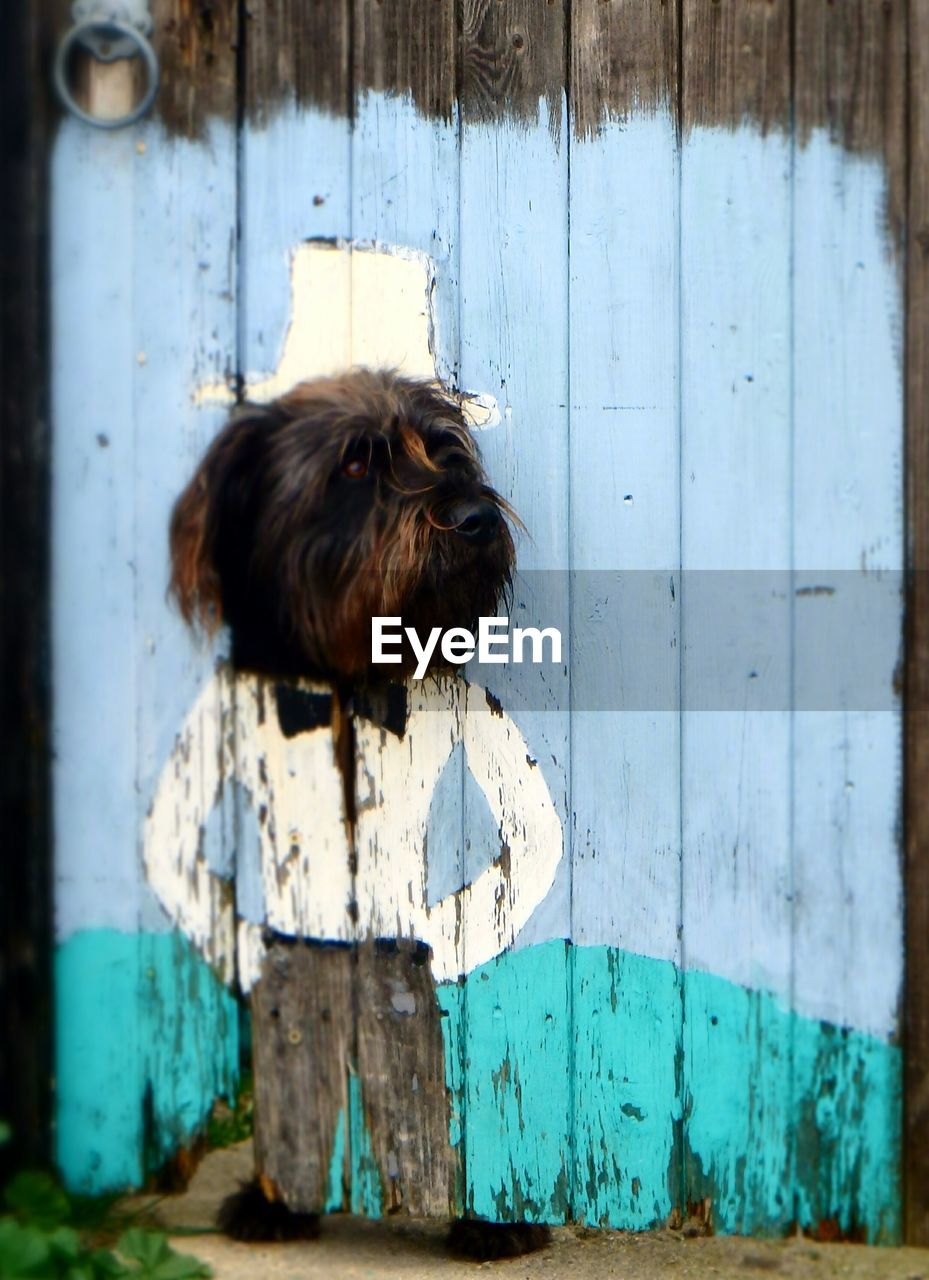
(113,29)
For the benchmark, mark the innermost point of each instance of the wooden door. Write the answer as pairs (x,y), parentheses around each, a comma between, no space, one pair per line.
(662,245)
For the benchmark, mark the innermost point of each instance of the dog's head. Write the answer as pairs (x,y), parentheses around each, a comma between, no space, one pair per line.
(348,498)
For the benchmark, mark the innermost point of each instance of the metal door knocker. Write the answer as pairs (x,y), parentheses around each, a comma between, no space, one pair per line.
(108,30)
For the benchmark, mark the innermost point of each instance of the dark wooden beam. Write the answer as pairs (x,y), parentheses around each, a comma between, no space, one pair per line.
(25,865)
(916,794)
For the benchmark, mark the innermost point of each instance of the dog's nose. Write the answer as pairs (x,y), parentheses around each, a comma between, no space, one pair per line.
(476,521)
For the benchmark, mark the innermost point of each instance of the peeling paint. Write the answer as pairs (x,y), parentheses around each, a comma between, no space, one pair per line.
(157,1038)
(314,884)
(353,303)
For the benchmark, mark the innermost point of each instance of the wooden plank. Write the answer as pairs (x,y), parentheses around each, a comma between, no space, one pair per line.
(297,54)
(405,192)
(625,541)
(401,1067)
(848,555)
(624,63)
(302,1034)
(514,345)
(408,49)
(143,253)
(196,47)
(26,871)
(735,532)
(512,58)
(297,161)
(916,804)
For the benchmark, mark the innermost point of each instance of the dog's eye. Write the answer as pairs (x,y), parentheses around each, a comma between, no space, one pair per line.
(355,469)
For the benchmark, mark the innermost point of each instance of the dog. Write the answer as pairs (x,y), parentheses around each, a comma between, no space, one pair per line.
(350,497)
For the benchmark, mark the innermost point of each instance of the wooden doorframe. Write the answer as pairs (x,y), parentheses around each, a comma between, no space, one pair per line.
(916,697)
(25,868)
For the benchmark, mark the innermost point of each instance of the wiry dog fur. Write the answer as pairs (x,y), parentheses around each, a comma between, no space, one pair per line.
(350,497)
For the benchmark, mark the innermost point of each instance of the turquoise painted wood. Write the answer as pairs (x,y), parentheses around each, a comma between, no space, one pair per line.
(692,343)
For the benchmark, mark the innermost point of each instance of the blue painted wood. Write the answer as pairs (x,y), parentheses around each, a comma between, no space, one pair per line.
(143,255)
(735,735)
(405,194)
(848,539)
(625,748)
(514,343)
(711,386)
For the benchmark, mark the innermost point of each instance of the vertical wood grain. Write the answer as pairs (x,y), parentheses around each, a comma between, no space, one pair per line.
(916,796)
(183,283)
(302,1044)
(735,530)
(405,192)
(514,345)
(143,258)
(625,547)
(295,185)
(848,553)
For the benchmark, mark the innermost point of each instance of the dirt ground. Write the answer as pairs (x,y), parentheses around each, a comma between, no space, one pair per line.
(355,1249)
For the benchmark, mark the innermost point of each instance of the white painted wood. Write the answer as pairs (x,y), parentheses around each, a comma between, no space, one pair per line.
(396,781)
(294,788)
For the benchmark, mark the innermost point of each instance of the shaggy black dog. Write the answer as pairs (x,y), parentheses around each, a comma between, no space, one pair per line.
(348,498)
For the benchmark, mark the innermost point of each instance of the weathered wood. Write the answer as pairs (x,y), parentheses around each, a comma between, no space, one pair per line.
(143,234)
(564,1075)
(405,192)
(514,345)
(296,51)
(624,62)
(196,43)
(625,546)
(401,1065)
(847,523)
(736,63)
(26,866)
(916,794)
(512,56)
(850,81)
(408,47)
(302,1038)
(735,527)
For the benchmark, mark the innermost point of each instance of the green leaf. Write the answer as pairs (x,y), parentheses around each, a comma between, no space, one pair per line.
(147,1247)
(65,1243)
(6,1133)
(37,1198)
(157,1260)
(24,1254)
(181,1266)
(106,1265)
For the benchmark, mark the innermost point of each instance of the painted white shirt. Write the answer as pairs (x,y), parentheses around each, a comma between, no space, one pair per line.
(294,786)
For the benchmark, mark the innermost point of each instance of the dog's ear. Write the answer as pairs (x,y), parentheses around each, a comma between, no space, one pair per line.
(215,502)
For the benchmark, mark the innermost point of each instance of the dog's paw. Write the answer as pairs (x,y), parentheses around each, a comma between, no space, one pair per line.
(488,1241)
(249,1215)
